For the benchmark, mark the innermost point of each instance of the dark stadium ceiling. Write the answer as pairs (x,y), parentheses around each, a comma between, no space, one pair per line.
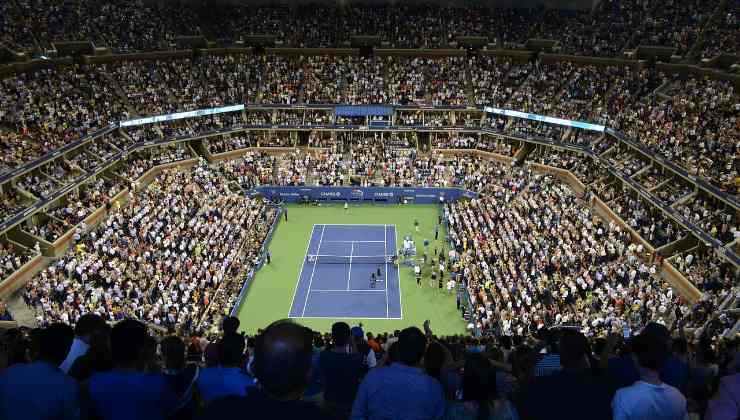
(554,4)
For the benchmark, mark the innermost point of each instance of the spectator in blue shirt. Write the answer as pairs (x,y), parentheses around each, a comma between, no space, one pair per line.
(40,390)
(282,364)
(228,377)
(5,313)
(402,390)
(128,391)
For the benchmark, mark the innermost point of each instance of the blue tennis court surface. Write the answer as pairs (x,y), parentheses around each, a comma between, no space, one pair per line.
(335,279)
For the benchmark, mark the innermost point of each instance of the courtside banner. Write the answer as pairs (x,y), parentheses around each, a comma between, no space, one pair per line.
(181,115)
(374,194)
(545,119)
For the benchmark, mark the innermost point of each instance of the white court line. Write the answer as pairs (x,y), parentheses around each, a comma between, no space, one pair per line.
(343,290)
(342,317)
(385,266)
(398,271)
(310,281)
(349,273)
(347,256)
(305,257)
(353,241)
(352,224)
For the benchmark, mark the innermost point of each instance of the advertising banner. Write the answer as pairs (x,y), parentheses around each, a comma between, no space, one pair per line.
(390,195)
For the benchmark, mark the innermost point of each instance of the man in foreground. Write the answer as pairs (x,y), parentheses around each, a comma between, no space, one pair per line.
(402,390)
(282,363)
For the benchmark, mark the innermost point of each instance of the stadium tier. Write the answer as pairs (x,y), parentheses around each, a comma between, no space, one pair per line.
(389,211)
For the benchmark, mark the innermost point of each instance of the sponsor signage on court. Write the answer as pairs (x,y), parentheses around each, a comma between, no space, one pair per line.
(388,194)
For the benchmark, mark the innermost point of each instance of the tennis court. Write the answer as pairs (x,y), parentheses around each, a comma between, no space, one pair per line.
(335,278)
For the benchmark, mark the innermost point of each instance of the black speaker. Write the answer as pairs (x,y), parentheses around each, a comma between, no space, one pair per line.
(303,137)
(259,40)
(366,52)
(358,41)
(472,42)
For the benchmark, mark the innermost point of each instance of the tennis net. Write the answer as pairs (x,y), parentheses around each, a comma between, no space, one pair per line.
(347,259)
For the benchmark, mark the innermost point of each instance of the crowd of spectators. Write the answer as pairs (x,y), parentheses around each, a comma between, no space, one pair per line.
(48,108)
(626,161)
(12,202)
(531,254)
(231,142)
(39,185)
(14,32)
(121,25)
(651,178)
(612,27)
(87,198)
(570,269)
(718,221)
(250,170)
(673,190)
(706,270)
(719,37)
(288,370)
(698,110)
(667,23)
(13,257)
(48,228)
(172,256)
(651,223)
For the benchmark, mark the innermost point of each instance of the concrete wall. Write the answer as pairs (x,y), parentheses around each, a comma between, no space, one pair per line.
(21,276)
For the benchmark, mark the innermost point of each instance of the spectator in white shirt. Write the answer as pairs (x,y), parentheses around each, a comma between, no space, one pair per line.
(649,398)
(86,326)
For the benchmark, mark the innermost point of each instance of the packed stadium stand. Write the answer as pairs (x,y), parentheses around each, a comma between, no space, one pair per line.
(163,165)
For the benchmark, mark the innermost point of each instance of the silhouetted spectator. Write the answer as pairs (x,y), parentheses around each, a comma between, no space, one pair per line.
(127,391)
(40,390)
(282,362)
(98,357)
(84,329)
(181,376)
(230,325)
(480,400)
(549,396)
(341,370)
